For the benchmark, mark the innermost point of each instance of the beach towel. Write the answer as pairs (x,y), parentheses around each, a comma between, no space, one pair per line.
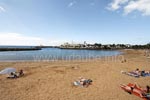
(77,83)
(133,74)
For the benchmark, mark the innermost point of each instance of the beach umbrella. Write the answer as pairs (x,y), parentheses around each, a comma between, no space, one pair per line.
(7,70)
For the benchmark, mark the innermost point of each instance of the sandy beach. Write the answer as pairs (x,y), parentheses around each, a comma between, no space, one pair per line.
(53,80)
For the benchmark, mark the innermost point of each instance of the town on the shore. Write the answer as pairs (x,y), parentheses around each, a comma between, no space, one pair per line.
(99,46)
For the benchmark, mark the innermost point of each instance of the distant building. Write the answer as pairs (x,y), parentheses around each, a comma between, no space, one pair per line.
(128,45)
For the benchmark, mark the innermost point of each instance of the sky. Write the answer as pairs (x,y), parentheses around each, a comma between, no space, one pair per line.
(54,22)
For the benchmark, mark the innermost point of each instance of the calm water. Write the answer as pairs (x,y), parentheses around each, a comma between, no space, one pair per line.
(50,54)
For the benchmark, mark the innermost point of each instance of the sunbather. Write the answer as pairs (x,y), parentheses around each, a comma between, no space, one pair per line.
(88,82)
(12,75)
(147,89)
(16,74)
(137,90)
(147,71)
(83,82)
(137,71)
(80,81)
(21,73)
(131,73)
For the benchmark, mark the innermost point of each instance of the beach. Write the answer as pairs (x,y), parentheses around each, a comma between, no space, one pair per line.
(52,80)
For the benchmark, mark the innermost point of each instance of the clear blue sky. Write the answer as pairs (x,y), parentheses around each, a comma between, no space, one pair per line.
(52,22)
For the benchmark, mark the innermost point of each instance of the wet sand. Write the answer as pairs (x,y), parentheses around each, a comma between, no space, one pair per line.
(53,80)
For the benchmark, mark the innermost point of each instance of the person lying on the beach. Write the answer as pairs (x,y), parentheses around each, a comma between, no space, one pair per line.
(87,82)
(142,73)
(145,73)
(12,75)
(137,90)
(21,73)
(132,73)
(137,73)
(16,74)
(79,82)
(146,89)
(83,82)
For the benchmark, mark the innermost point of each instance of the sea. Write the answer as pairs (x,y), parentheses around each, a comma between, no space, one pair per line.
(52,54)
